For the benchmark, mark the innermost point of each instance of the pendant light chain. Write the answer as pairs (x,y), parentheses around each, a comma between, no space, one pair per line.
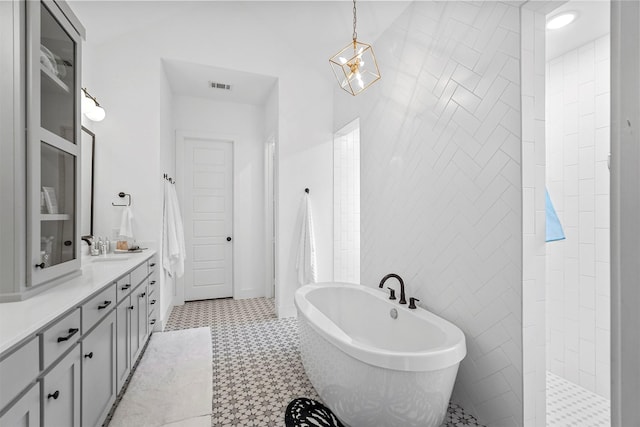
(355,34)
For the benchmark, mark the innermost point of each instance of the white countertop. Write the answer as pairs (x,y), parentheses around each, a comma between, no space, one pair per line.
(21,319)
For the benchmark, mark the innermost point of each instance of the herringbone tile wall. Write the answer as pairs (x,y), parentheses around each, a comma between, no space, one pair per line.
(441,184)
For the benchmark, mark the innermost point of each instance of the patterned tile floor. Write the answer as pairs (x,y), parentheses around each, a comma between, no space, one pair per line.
(570,405)
(257,368)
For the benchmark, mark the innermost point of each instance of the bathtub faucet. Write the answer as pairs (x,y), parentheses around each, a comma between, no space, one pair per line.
(388,276)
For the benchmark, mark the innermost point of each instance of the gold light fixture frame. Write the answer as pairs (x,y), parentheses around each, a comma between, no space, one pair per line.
(355,66)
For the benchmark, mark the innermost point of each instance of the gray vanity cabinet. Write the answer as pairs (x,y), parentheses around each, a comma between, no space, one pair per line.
(61,392)
(69,371)
(25,412)
(99,372)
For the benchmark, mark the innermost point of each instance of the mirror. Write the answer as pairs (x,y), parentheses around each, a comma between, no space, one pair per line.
(87,163)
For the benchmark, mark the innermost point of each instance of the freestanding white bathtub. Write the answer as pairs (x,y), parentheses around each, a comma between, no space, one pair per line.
(371,369)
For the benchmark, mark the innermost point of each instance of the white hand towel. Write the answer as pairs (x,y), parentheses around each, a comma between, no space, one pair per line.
(179,231)
(306,261)
(173,247)
(126,227)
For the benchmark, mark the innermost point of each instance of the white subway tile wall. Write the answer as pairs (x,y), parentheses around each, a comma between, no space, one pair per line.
(346,204)
(442,184)
(533,214)
(578,182)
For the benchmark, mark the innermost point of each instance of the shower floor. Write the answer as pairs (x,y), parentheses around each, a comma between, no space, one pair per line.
(568,404)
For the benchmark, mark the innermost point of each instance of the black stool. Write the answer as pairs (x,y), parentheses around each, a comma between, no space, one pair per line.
(300,411)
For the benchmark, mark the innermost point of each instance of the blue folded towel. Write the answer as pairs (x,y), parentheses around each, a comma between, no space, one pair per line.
(554,228)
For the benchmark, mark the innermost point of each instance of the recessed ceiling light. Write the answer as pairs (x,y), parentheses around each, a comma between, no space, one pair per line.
(561,20)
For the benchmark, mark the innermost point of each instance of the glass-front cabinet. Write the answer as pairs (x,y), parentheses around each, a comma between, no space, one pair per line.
(53,152)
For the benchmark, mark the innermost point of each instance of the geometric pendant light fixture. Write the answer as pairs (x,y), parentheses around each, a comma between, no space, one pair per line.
(355,66)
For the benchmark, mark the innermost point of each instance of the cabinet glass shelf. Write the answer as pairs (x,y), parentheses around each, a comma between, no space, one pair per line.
(55,217)
(56,83)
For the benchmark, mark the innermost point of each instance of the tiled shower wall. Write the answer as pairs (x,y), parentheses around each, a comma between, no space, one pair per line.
(346,204)
(578,182)
(441,184)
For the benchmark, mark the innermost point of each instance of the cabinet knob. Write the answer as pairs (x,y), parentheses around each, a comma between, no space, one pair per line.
(152,322)
(55,394)
(153,282)
(125,287)
(131,307)
(68,243)
(89,355)
(152,302)
(228,239)
(41,265)
(72,332)
(142,295)
(153,264)
(104,305)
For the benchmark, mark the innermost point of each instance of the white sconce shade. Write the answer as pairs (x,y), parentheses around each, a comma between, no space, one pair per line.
(90,107)
(96,113)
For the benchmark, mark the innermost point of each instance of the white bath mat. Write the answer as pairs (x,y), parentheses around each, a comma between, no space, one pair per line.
(172,384)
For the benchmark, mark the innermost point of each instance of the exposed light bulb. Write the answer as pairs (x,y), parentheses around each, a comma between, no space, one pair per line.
(561,20)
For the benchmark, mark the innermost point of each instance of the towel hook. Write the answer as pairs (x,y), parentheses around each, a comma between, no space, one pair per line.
(122,195)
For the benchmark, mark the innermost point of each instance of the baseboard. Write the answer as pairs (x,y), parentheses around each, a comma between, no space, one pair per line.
(163,321)
(286,311)
(248,293)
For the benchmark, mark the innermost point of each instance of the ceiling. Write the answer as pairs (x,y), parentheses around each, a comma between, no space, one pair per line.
(304,26)
(188,79)
(593,22)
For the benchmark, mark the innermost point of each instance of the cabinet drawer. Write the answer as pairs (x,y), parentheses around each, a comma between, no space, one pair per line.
(59,337)
(138,274)
(153,265)
(18,370)
(97,307)
(123,287)
(153,304)
(153,283)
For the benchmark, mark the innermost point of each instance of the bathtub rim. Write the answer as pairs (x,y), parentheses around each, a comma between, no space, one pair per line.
(434,359)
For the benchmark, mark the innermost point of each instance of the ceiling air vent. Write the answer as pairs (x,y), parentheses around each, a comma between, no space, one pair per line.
(222,86)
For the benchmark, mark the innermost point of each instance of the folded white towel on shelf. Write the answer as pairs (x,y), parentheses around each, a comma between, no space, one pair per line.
(306,262)
(126,222)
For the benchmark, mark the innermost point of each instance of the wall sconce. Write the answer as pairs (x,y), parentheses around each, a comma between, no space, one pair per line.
(355,66)
(91,108)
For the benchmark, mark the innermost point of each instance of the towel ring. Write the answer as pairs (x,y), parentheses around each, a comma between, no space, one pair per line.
(122,195)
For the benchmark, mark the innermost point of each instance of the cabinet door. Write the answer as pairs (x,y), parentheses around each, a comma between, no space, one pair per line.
(98,371)
(142,320)
(25,412)
(53,151)
(135,327)
(61,392)
(123,342)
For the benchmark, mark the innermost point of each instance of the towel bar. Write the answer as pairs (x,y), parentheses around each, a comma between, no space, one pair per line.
(122,195)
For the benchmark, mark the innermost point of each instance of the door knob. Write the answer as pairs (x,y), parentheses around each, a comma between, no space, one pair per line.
(228,239)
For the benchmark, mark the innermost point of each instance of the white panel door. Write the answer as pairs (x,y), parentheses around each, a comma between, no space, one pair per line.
(207,203)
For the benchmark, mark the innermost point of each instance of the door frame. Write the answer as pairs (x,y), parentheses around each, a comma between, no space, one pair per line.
(181,135)
(270,198)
